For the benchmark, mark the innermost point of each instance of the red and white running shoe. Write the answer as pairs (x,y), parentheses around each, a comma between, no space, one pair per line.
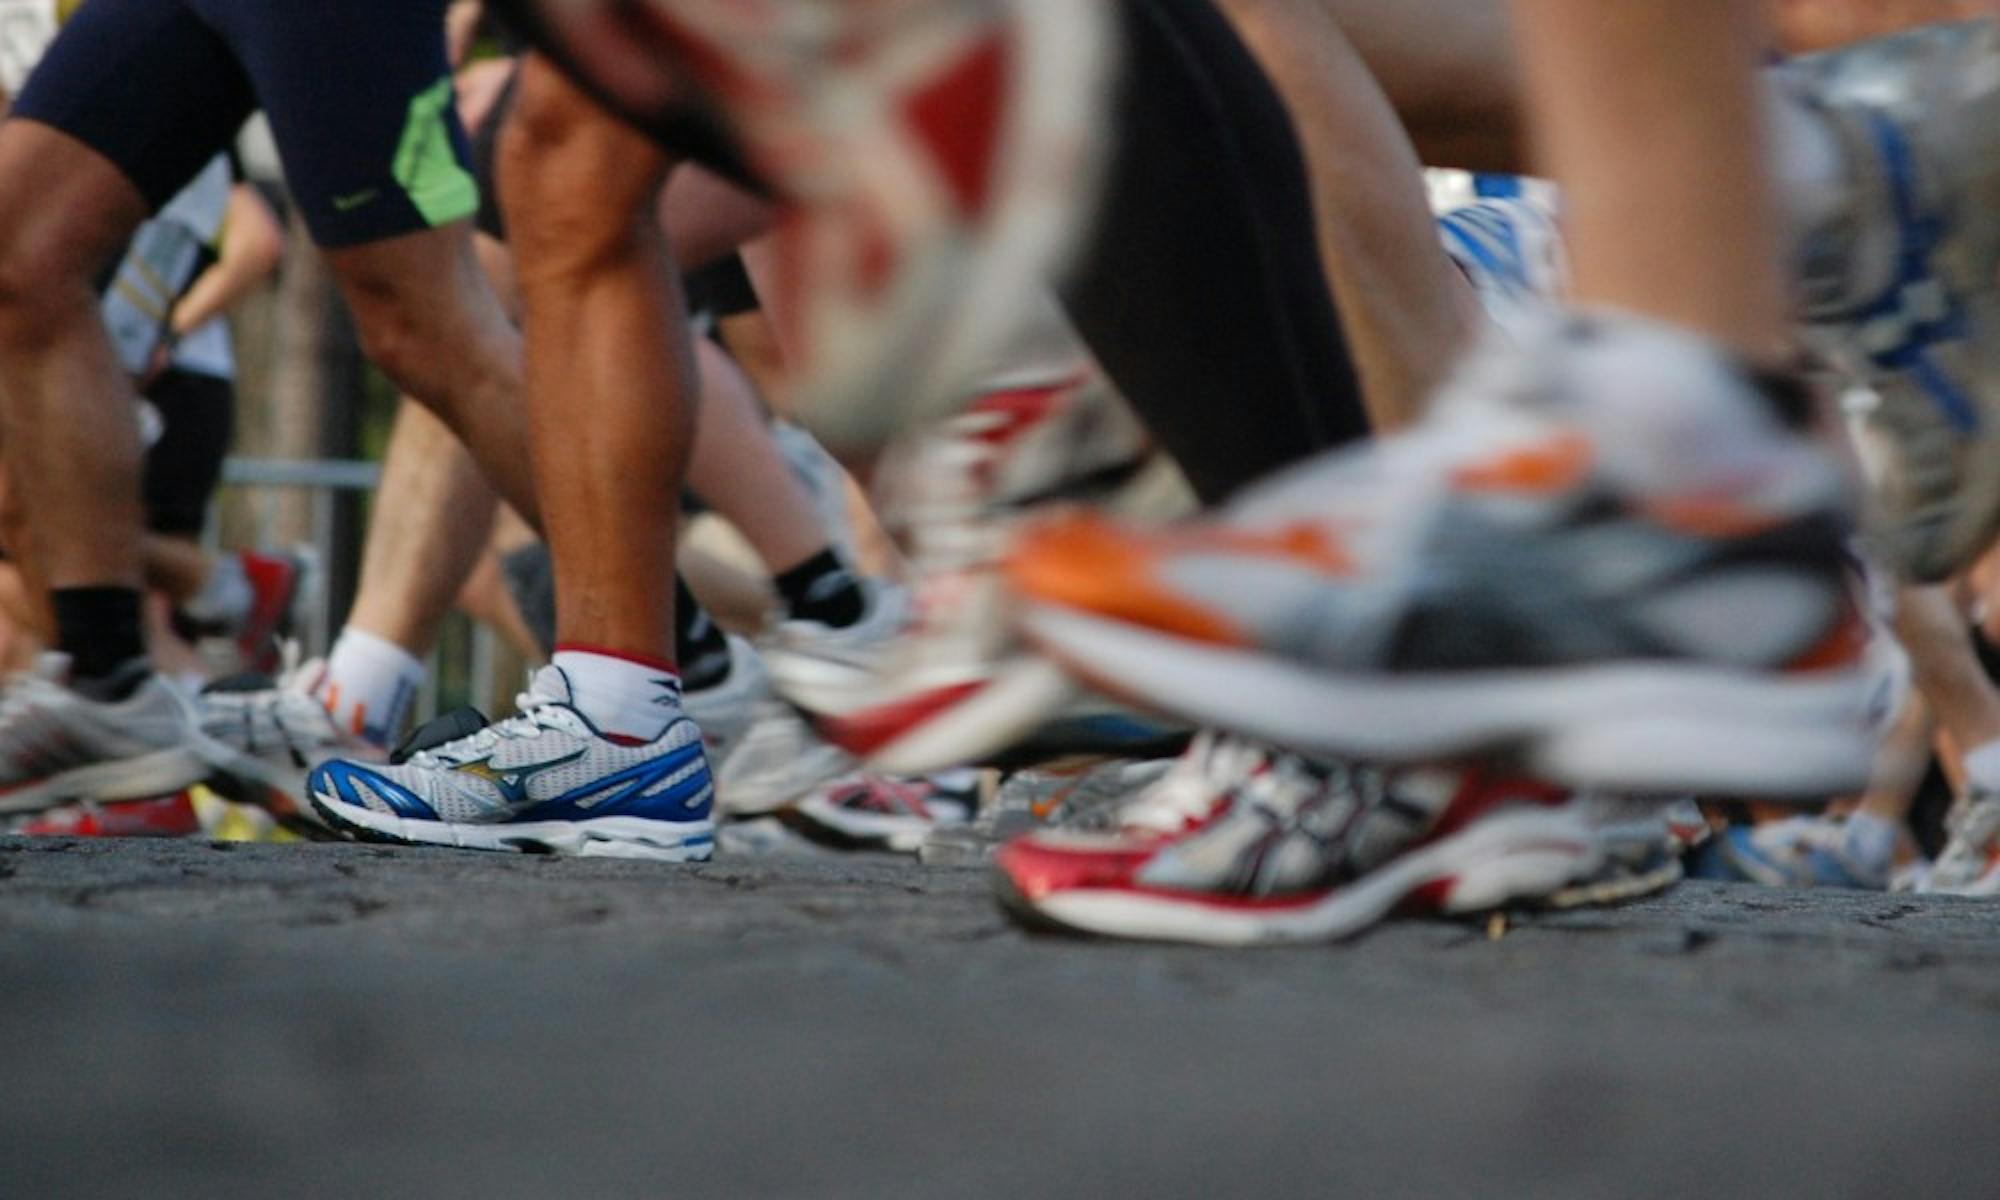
(935,675)
(1242,845)
(882,812)
(939,155)
(160,817)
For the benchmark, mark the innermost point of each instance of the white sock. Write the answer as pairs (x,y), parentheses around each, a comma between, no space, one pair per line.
(1982,767)
(1871,843)
(370,684)
(226,596)
(627,698)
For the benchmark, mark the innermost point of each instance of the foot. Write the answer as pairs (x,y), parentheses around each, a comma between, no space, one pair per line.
(265,736)
(1899,279)
(1604,553)
(59,746)
(937,153)
(542,782)
(882,812)
(1797,852)
(1244,845)
(765,753)
(1969,865)
(935,677)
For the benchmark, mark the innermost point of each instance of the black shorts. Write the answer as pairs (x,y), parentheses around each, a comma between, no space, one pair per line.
(198,421)
(357,91)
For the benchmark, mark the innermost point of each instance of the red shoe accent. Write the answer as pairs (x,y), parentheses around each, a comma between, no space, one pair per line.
(862,733)
(959,117)
(274,582)
(165,816)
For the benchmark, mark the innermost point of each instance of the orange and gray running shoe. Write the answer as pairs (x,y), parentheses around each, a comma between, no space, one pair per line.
(1607,553)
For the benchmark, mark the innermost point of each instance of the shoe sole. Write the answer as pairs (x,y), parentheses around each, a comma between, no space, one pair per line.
(763,792)
(1007,708)
(825,823)
(1638,727)
(142,777)
(1503,859)
(974,281)
(599,837)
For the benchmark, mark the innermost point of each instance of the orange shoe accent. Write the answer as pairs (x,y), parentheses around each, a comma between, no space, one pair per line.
(1558,463)
(360,722)
(1709,517)
(1843,646)
(1088,563)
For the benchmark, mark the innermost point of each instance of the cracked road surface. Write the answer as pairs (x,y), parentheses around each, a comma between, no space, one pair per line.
(186,1018)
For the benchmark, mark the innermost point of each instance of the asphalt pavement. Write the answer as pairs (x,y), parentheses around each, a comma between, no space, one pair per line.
(201,1019)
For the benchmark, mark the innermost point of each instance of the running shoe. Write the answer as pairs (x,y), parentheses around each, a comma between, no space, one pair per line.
(58,746)
(1510,249)
(1243,845)
(940,156)
(264,737)
(1969,865)
(1899,277)
(160,817)
(765,753)
(1797,852)
(1079,795)
(880,812)
(936,677)
(1603,553)
(542,782)
(254,640)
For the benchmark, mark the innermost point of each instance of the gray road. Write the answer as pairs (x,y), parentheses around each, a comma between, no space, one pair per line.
(189,1019)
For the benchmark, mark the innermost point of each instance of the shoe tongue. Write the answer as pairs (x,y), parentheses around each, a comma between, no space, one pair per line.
(551,684)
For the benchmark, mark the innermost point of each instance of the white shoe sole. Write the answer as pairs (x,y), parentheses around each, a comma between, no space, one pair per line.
(1015,701)
(1634,727)
(969,287)
(159,773)
(764,790)
(1508,857)
(598,837)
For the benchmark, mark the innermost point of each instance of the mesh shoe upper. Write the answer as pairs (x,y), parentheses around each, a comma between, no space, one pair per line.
(546,764)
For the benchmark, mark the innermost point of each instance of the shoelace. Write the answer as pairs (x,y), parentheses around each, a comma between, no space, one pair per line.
(538,714)
(1214,765)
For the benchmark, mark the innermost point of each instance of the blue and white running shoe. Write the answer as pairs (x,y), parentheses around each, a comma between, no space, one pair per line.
(543,782)
(1510,249)
(1897,274)
(1797,852)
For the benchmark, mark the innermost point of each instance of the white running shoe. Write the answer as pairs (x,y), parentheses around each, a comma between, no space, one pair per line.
(765,753)
(1969,865)
(936,676)
(58,746)
(542,782)
(1603,552)
(265,736)
(1899,267)
(879,812)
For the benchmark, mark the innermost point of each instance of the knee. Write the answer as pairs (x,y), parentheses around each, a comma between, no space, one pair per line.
(575,182)
(42,286)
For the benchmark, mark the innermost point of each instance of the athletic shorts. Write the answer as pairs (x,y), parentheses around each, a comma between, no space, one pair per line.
(358,94)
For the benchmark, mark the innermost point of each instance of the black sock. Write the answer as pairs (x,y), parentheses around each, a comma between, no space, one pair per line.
(822,589)
(700,646)
(98,627)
